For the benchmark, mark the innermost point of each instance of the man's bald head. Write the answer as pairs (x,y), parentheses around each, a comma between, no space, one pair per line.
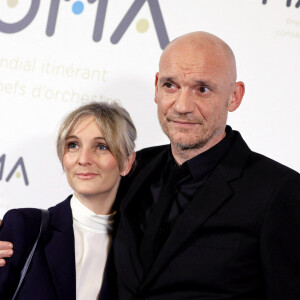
(208,44)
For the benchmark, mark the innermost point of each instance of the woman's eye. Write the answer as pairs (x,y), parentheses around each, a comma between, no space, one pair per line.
(102,147)
(72,145)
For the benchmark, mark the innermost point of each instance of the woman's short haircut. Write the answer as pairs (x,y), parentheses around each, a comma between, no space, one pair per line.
(114,122)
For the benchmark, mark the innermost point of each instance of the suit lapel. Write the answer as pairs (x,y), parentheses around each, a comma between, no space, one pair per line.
(213,194)
(59,250)
(145,168)
(136,185)
(129,205)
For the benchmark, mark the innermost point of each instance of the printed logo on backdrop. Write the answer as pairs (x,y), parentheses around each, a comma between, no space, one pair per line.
(288,2)
(18,15)
(292,25)
(78,8)
(17,170)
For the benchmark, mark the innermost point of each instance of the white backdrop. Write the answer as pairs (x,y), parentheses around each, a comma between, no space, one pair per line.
(53,58)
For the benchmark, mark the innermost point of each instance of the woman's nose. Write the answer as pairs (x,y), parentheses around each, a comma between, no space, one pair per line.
(85,157)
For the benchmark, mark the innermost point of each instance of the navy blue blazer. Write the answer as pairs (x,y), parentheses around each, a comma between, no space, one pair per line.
(52,273)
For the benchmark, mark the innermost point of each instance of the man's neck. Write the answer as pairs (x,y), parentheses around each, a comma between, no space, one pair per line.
(182,155)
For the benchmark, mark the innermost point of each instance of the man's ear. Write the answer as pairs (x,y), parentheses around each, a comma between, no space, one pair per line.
(156,86)
(128,164)
(237,96)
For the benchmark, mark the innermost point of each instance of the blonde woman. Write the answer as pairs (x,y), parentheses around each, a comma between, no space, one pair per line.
(95,145)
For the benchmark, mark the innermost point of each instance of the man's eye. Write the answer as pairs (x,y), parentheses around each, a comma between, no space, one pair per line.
(102,147)
(72,145)
(203,89)
(168,85)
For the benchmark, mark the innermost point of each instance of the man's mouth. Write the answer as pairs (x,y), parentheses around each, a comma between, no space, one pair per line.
(184,123)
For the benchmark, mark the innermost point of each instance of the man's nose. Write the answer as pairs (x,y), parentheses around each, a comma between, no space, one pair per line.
(184,102)
(85,157)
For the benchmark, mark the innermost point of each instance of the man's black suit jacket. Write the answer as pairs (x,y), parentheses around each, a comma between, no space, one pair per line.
(239,238)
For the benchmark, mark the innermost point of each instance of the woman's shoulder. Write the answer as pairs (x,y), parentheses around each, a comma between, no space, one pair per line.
(23,222)
(21,227)
(21,214)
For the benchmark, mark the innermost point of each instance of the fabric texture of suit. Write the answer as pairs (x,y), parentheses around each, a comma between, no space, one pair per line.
(239,238)
(52,273)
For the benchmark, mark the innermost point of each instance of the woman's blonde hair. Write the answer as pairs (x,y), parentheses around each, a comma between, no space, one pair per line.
(114,122)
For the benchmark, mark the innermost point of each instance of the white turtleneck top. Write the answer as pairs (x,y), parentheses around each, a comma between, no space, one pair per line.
(92,234)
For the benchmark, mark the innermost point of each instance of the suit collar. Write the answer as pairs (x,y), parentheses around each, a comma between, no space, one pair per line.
(61,215)
(60,251)
(201,165)
(146,167)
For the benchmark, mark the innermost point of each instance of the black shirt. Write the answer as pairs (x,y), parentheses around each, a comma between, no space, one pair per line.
(199,168)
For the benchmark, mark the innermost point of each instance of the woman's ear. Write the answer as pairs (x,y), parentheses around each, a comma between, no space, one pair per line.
(128,164)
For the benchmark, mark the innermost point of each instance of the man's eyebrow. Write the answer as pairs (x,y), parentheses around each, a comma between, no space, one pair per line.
(206,83)
(203,82)
(166,78)
(199,82)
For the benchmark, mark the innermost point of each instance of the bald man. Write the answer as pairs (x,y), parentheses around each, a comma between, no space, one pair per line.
(205,217)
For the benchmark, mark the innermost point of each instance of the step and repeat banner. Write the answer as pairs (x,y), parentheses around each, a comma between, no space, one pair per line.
(56,55)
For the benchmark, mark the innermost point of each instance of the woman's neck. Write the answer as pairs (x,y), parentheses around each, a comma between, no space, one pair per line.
(98,205)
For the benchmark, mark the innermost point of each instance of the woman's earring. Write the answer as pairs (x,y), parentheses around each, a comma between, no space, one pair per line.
(123,173)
